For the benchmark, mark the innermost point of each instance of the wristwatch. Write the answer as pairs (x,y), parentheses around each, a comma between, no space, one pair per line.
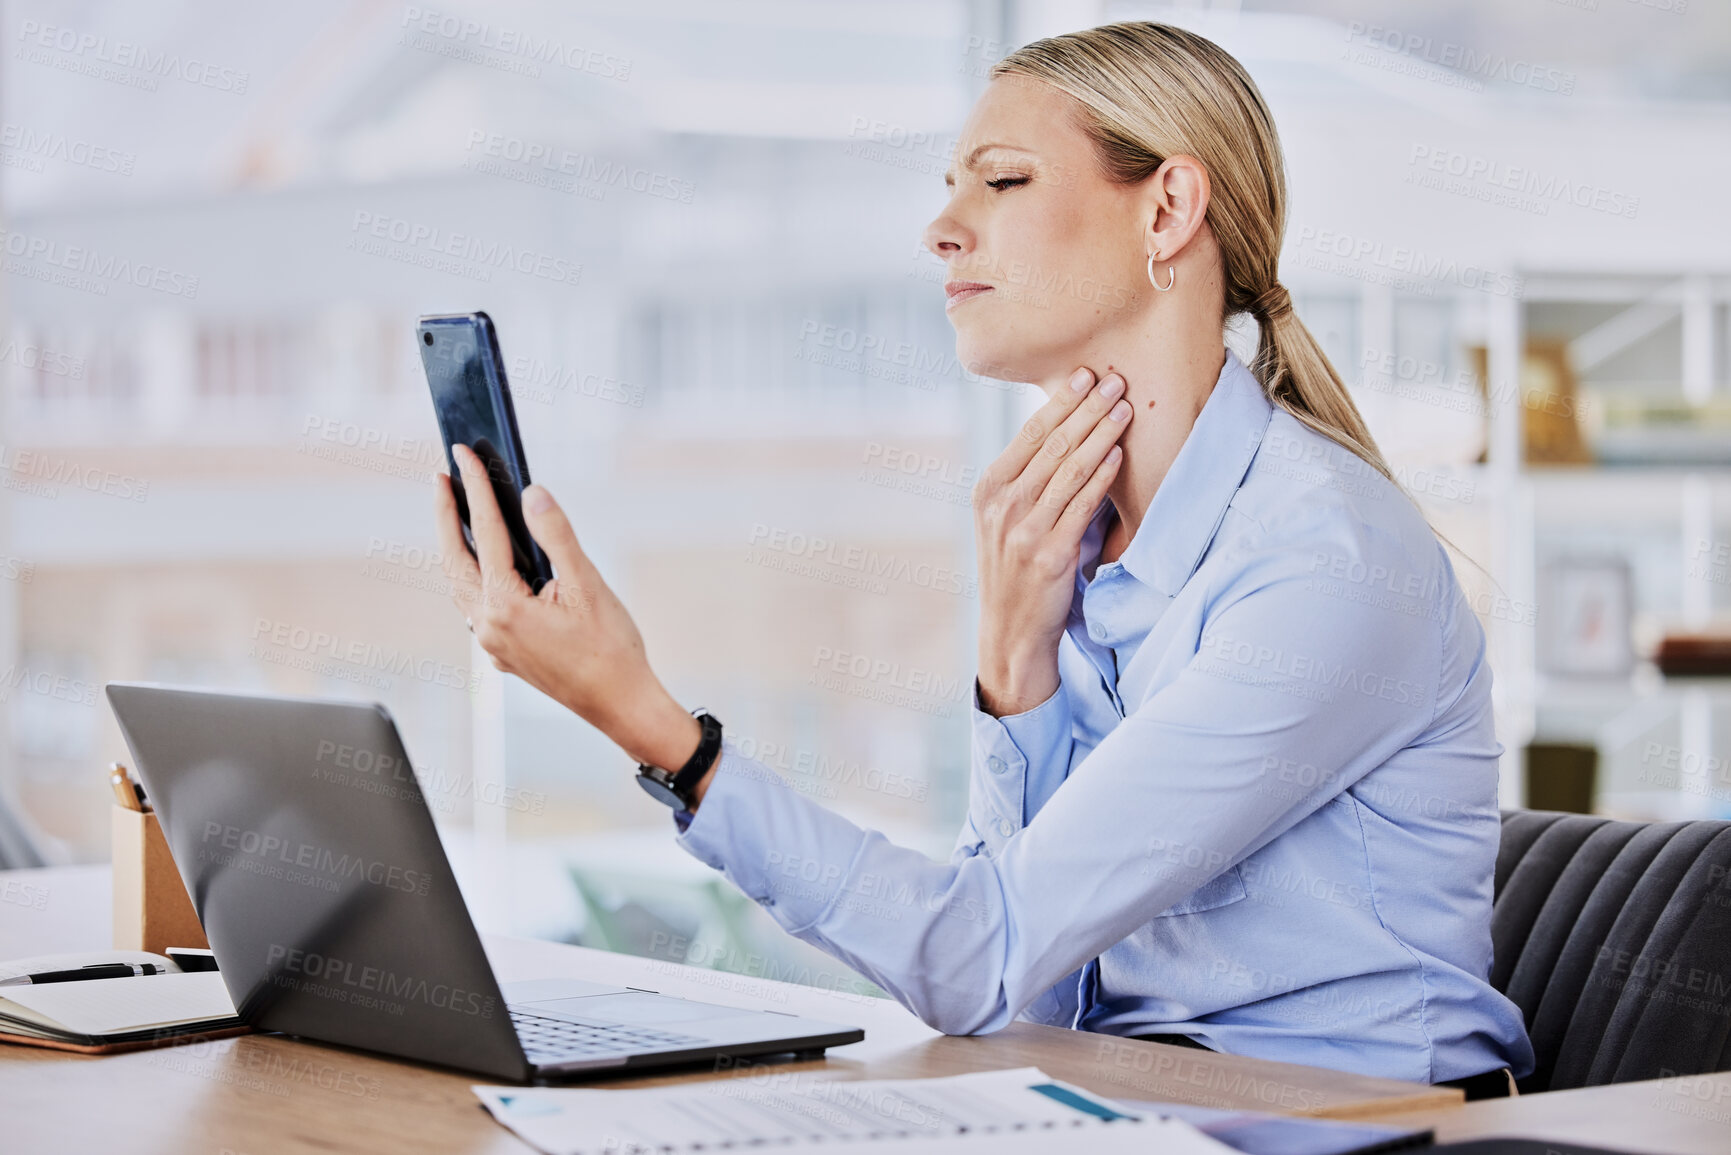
(675,787)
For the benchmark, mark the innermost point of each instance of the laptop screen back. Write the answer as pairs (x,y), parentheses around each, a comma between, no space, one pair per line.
(316,870)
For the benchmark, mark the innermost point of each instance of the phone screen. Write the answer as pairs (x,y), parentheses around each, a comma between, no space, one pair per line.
(473,404)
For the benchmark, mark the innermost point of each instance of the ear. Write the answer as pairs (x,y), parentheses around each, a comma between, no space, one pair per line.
(1176,200)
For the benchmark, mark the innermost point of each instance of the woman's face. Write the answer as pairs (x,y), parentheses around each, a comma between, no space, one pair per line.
(1045,254)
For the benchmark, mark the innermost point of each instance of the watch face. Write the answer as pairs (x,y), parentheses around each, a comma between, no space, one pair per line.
(660,791)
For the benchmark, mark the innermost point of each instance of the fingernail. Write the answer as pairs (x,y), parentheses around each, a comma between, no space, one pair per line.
(1120,411)
(1080,380)
(1112,386)
(1114,454)
(537,500)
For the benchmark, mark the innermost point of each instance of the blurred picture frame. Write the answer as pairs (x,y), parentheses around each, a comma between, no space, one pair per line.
(1586,617)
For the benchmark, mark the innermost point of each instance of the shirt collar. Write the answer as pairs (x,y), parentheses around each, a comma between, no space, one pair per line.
(1192,500)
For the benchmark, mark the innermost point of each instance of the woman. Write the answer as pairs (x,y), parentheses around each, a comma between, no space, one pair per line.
(1234,772)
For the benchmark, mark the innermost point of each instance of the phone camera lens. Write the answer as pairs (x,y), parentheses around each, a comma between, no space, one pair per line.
(427,337)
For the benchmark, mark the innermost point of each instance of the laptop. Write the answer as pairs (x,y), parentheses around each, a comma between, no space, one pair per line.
(312,859)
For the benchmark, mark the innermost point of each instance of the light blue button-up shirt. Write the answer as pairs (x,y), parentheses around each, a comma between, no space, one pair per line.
(1260,810)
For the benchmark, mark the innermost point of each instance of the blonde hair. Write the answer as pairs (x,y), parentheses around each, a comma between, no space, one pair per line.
(1149,91)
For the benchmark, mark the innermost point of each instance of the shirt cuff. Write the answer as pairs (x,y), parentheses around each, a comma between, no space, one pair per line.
(1036,738)
(788,854)
(1038,734)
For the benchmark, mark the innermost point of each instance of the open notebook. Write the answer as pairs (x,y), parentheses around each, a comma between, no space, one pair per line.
(103,1015)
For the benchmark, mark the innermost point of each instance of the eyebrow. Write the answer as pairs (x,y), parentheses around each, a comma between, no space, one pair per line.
(973,158)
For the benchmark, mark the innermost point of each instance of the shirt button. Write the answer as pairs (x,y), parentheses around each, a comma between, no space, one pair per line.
(996,763)
(1097,632)
(1006,827)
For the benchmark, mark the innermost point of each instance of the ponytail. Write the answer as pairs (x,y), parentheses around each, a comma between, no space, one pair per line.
(1298,376)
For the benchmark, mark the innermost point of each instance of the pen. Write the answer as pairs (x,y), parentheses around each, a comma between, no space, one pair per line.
(79,974)
(126,791)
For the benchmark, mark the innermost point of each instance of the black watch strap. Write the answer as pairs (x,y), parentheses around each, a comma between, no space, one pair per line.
(675,787)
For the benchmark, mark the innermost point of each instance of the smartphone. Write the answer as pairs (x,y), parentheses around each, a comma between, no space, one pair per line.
(472,400)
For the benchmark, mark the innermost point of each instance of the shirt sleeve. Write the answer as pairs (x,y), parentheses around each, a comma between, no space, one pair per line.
(1182,789)
(1005,753)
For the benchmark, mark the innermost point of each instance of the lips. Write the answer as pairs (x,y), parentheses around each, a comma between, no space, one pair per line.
(955,292)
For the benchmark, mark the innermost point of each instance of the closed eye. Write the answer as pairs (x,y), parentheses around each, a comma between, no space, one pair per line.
(999,184)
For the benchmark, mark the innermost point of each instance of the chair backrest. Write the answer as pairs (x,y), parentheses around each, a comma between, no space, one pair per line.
(1614,939)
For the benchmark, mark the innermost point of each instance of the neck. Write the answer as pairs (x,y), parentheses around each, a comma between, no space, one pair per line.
(1170,360)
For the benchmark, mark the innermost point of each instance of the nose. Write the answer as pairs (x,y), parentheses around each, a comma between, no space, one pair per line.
(946,237)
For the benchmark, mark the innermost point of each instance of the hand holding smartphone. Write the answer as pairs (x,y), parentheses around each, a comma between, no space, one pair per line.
(472,400)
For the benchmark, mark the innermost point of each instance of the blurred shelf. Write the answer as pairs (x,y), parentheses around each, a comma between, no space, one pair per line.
(1575,710)
(1581,709)
(1602,496)
(1663,447)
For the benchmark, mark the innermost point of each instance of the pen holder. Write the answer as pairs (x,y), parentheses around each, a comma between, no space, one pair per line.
(152,910)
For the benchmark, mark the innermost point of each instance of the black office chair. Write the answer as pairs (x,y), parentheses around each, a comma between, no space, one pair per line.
(1614,939)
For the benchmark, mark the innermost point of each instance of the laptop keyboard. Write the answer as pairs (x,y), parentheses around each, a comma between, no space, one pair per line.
(548,1040)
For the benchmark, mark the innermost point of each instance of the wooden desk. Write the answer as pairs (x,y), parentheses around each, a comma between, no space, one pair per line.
(261,1093)
(1689,1115)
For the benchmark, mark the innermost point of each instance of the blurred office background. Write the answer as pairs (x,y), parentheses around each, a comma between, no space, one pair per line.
(696,226)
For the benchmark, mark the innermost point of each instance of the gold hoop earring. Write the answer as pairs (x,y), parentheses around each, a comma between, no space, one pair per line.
(1171,275)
